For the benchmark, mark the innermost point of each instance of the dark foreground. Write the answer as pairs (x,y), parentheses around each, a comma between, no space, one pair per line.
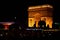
(29,34)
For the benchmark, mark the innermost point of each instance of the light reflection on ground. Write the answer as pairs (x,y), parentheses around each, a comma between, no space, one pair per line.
(44,29)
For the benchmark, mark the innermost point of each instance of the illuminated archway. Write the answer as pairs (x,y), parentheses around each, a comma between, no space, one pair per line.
(40,12)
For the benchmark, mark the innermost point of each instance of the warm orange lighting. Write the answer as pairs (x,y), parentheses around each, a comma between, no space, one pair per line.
(39,14)
(30,22)
(49,21)
(41,6)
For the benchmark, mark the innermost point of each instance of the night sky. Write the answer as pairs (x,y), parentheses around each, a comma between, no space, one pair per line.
(18,9)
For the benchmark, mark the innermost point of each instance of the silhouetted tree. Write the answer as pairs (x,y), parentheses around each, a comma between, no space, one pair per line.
(35,25)
(42,24)
(48,26)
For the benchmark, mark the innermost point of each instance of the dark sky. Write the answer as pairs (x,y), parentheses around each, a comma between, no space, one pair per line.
(54,3)
(19,9)
(22,7)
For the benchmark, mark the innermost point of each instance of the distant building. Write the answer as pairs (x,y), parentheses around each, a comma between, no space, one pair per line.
(40,12)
